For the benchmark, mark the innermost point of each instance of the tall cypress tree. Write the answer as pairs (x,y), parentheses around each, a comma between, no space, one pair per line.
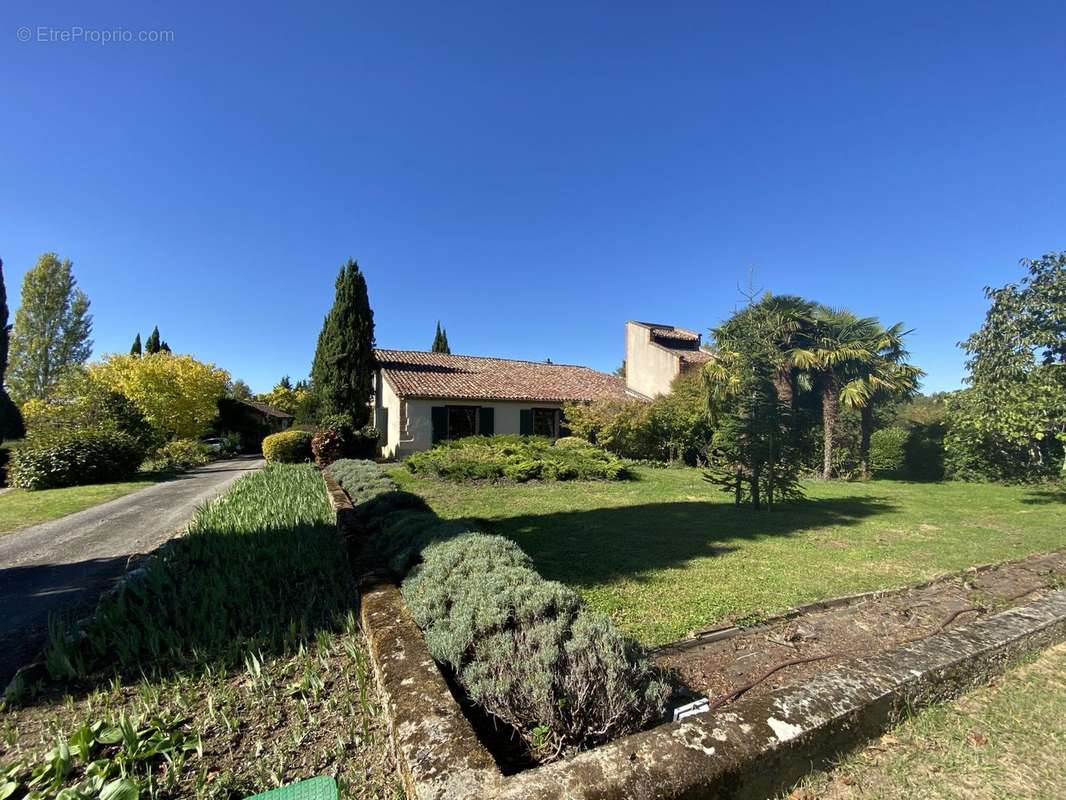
(342,371)
(10,417)
(440,341)
(151,344)
(136,349)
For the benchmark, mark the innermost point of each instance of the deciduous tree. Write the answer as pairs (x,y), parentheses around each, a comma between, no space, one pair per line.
(176,393)
(52,328)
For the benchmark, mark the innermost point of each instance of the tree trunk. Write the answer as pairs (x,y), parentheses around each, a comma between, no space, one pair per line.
(829,422)
(866,428)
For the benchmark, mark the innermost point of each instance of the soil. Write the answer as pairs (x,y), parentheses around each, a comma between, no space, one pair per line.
(724,664)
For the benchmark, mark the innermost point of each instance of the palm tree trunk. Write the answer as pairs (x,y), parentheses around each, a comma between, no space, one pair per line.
(829,422)
(866,428)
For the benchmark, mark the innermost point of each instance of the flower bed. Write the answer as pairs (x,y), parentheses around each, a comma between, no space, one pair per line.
(517,458)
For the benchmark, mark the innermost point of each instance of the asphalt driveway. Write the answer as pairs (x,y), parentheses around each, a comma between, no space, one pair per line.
(63,565)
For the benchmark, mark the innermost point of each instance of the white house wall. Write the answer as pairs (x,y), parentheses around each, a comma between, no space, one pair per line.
(417,431)
(650,369)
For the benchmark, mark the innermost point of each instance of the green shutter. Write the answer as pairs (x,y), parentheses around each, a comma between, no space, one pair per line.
(486,424)
(526,422)
(439,418)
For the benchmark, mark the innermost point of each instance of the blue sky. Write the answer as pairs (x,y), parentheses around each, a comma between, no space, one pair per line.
(532,174)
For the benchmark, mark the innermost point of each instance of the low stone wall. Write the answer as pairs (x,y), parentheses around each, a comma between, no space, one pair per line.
(752,748)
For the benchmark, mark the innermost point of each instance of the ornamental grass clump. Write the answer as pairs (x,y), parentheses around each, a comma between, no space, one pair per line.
(261,568)
(524,649)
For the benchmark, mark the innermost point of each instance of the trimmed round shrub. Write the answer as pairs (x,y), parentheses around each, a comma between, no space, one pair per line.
(887,451)
(74,457)
(288,447)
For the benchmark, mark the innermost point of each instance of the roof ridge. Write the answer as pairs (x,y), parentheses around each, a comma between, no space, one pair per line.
(489,358)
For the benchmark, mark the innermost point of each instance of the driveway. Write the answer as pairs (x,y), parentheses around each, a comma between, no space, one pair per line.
(63,565)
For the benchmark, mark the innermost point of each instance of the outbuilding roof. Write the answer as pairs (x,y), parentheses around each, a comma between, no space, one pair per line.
(269,411)
(413,373)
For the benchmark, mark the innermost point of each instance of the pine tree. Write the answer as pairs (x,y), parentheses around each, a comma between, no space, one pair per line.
(440,341)
(136,349)
(151,344)
(342,371)
(164,347)
(52,328)
(10,417)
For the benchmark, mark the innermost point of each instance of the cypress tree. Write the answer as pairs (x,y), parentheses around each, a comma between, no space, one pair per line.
(151,344)
(164,347)
(440,341)
(10,417)
(136,349)
(342,371)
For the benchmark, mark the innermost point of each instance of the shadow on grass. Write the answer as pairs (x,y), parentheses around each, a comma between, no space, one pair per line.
(263,575)
(599,546)
(1046,496)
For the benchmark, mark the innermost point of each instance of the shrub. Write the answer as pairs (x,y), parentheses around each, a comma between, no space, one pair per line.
(887,453)
(524,649)
(74,457)
(288,447)
(674,427)
(516,458)
(572,443)
(327,445)
(178,455)
(924,451)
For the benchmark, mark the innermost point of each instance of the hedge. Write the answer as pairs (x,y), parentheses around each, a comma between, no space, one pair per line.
(525,649)
(74,457)
(288,447)
(887,452)
(515,458)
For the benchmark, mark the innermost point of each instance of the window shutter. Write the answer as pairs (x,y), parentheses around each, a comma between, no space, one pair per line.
(486,420)
(439,418)
(526,422)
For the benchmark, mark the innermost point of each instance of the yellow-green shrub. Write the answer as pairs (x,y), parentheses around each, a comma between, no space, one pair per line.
(288,447)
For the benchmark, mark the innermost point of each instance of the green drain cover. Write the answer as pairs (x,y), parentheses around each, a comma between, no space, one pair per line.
(321,788)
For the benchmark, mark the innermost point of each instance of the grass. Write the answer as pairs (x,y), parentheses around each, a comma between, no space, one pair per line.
(20,509)
(666,553)
(1005,740)
(232,665)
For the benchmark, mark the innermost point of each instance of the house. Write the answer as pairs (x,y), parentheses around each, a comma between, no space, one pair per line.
(422,398)
(249,421)
(656,354)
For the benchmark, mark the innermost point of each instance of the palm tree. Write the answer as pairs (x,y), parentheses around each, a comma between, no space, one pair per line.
(834,350)
(884,377)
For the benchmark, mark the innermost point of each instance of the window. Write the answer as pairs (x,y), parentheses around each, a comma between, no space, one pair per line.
(462,421)
(544,422)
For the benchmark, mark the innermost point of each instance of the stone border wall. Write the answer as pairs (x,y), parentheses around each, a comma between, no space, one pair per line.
(752,748)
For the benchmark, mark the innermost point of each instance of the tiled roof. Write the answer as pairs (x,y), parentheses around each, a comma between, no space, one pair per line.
(270,411)
(670,335)
(441,376)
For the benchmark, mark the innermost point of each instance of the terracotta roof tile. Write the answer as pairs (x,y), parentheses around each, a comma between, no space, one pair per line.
(437,375)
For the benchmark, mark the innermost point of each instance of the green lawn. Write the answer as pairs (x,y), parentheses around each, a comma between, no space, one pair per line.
(667,553)
(1006,740)
(20,509)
